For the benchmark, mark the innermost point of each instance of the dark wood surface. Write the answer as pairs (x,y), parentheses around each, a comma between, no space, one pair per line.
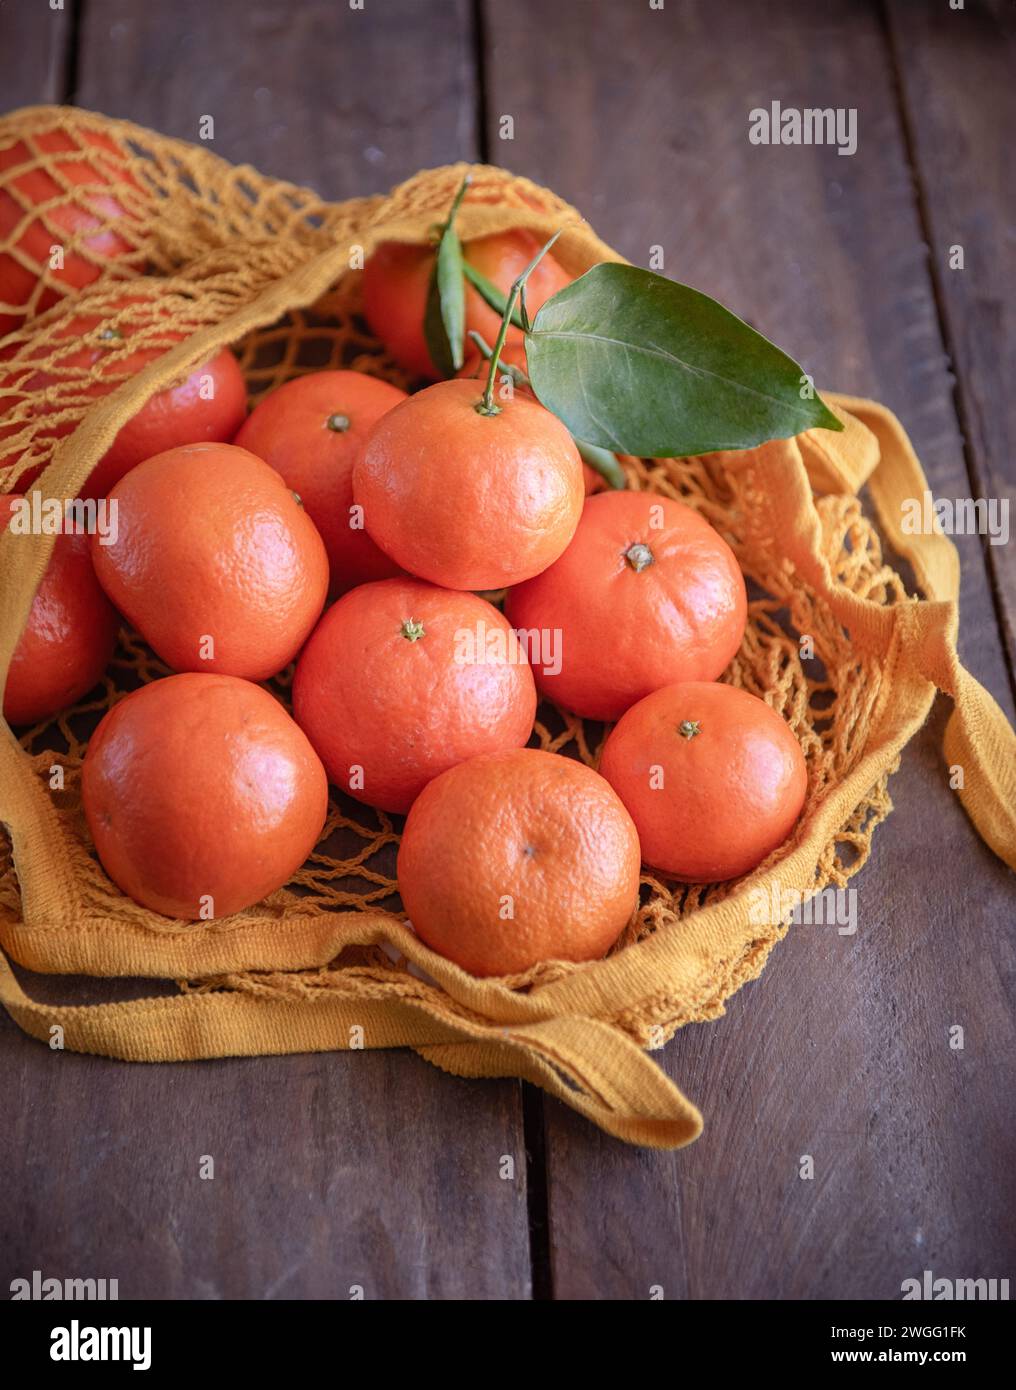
(959,101)
(376,1169)
(840,1050)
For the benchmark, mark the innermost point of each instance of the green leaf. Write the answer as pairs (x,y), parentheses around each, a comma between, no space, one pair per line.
(434,332)
(605,463)
(452,290)
(638,364)
(489,292)
(444,317)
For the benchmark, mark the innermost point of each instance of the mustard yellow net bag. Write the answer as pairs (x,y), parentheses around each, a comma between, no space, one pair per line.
(232,258)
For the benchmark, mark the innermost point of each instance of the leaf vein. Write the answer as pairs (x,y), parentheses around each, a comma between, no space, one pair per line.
(677,362)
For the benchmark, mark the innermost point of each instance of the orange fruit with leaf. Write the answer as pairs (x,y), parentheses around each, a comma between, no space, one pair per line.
(466,498)
(475,368)
(397,276)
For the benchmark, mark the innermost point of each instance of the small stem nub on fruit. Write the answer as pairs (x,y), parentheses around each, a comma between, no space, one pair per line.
(638,556)
(412,630)
(296,498)
(486,405)
(688,728)
(338,423)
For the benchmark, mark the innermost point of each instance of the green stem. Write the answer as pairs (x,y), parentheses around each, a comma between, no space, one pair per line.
(486,406)
(602,461)
(487,352)
(489,292)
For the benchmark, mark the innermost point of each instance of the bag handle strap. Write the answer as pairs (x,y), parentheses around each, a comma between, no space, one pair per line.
(589,1065)
(979,741)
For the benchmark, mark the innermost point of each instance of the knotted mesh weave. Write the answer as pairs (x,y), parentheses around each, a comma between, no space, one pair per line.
(210,254)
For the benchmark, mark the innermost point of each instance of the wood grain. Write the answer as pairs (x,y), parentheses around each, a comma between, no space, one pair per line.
(335,1170)
(331,1172)
(348,101)
(375,1169)
(840,1051)
(35,53)
(956,70)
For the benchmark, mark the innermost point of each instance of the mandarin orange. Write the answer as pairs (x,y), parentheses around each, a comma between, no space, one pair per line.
(311,430)
(647,593)
(202,795)
(396,278)
(514,858)
(69,637)
(215,562)
(465,499)
(95,168)
(401,680)
(714,779)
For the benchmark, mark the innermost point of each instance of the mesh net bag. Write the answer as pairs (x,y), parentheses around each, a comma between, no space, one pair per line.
(194,254)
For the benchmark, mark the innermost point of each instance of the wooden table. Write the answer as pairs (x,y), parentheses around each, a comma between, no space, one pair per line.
(376,1169)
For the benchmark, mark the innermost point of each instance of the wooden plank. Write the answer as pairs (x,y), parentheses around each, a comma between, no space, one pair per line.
(349,101)
(34,53)
(956,75)
(333,1170)
(640,117)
